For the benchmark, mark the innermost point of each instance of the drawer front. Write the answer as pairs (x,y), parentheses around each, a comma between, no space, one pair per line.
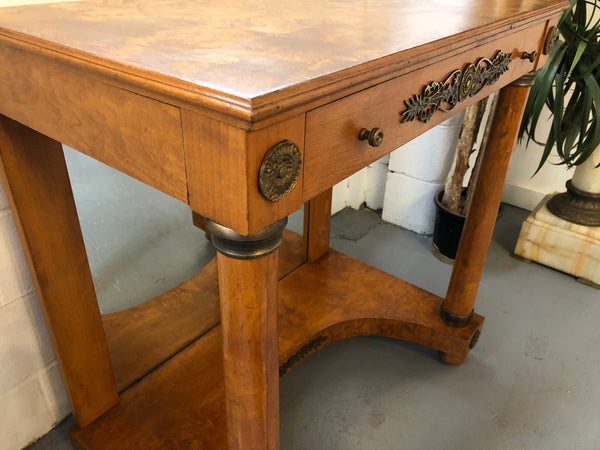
(333,150)
(136,135)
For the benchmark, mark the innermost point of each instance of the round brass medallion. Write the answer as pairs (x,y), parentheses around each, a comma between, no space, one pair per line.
(468,82)
(279,171)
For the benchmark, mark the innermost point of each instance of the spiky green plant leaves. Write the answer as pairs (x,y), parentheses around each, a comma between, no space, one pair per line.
(569,86)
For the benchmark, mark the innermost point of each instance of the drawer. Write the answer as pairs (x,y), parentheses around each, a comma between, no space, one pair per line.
(332,148)
(136,135)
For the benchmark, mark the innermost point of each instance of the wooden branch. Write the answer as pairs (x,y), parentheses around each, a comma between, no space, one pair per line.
(493,101)
(466,138)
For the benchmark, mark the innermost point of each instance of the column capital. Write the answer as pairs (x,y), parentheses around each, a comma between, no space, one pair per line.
(235,245)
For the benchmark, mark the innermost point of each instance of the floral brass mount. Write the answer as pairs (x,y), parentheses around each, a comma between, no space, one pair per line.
(279,170)
(458,86)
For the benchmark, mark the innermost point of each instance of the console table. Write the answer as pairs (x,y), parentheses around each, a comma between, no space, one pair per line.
(245,111)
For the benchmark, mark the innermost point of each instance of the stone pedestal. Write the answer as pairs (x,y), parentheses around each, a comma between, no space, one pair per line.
(562,245)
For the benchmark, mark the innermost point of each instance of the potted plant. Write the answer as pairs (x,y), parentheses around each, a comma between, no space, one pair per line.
(453,201)
(563,231)
(569,86)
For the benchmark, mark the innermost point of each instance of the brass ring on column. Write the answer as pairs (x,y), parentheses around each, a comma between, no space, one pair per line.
(235,245)
(455,320)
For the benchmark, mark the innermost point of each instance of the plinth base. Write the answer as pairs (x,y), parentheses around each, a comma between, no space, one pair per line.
(562,245)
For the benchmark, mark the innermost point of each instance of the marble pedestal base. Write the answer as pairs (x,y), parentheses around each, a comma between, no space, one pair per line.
(562,245)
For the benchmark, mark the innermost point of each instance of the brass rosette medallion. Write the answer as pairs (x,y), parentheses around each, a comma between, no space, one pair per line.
(458,86)
(279,171)
(467,82)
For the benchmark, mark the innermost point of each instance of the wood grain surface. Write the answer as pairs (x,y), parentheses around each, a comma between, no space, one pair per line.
(182,404)
(136,135)
(223,163)
(143,337)
(249,293)
(34,175)
(479,224)
(258,57)
(332,130)
(317,224)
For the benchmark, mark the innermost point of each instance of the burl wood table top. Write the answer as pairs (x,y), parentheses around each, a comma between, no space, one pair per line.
(248,54)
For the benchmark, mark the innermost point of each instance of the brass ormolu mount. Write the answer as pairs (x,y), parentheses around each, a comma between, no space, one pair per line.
(458,86)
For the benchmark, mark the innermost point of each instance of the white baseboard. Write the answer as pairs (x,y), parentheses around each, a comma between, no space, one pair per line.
(522,196)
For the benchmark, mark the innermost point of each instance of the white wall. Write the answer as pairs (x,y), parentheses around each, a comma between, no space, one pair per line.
(366,186)
(522,188)
(32,397)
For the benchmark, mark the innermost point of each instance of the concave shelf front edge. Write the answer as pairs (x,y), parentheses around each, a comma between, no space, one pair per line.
(181,404)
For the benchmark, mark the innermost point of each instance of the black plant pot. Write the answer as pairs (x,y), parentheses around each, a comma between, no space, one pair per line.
(447,231)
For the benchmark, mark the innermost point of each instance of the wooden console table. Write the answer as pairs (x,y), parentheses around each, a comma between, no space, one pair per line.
(245,111)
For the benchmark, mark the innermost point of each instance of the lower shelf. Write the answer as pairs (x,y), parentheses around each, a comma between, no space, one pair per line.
(143,337)
(181,403)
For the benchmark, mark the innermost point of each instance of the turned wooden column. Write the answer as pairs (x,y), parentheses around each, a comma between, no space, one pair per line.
(457,308)
(248,288)
(35,178)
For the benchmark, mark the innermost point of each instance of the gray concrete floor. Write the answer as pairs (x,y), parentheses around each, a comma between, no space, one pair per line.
(532,382)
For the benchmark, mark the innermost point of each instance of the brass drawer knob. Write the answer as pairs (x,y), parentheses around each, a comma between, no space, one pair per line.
(374,136)
(530,56)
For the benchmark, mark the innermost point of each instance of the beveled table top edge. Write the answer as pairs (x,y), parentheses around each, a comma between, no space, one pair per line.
(245,112)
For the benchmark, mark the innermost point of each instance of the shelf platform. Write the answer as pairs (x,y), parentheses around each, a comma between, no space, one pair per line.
(143,337)
(181,403)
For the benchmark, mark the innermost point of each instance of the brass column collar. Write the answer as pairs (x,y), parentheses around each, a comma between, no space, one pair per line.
(455,320)
(234,245)
(526,80)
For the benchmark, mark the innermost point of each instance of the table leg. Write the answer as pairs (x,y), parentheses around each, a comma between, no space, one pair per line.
(457,308)
(34,175)
(248,288)
(317,220)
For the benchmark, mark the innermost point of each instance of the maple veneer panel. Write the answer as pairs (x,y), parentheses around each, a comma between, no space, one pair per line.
(223,164)
(136,135)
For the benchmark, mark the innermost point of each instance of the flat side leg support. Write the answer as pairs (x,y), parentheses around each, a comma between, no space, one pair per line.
(317,220)
(34,175)
(248,291)
(457,308)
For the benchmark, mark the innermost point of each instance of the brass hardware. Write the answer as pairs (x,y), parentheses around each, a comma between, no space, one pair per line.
(530,56)
(458,86)
(374,136)
(279,170)
(301,354)
(526,80)
(234,245)
(455,320)
(551,38)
